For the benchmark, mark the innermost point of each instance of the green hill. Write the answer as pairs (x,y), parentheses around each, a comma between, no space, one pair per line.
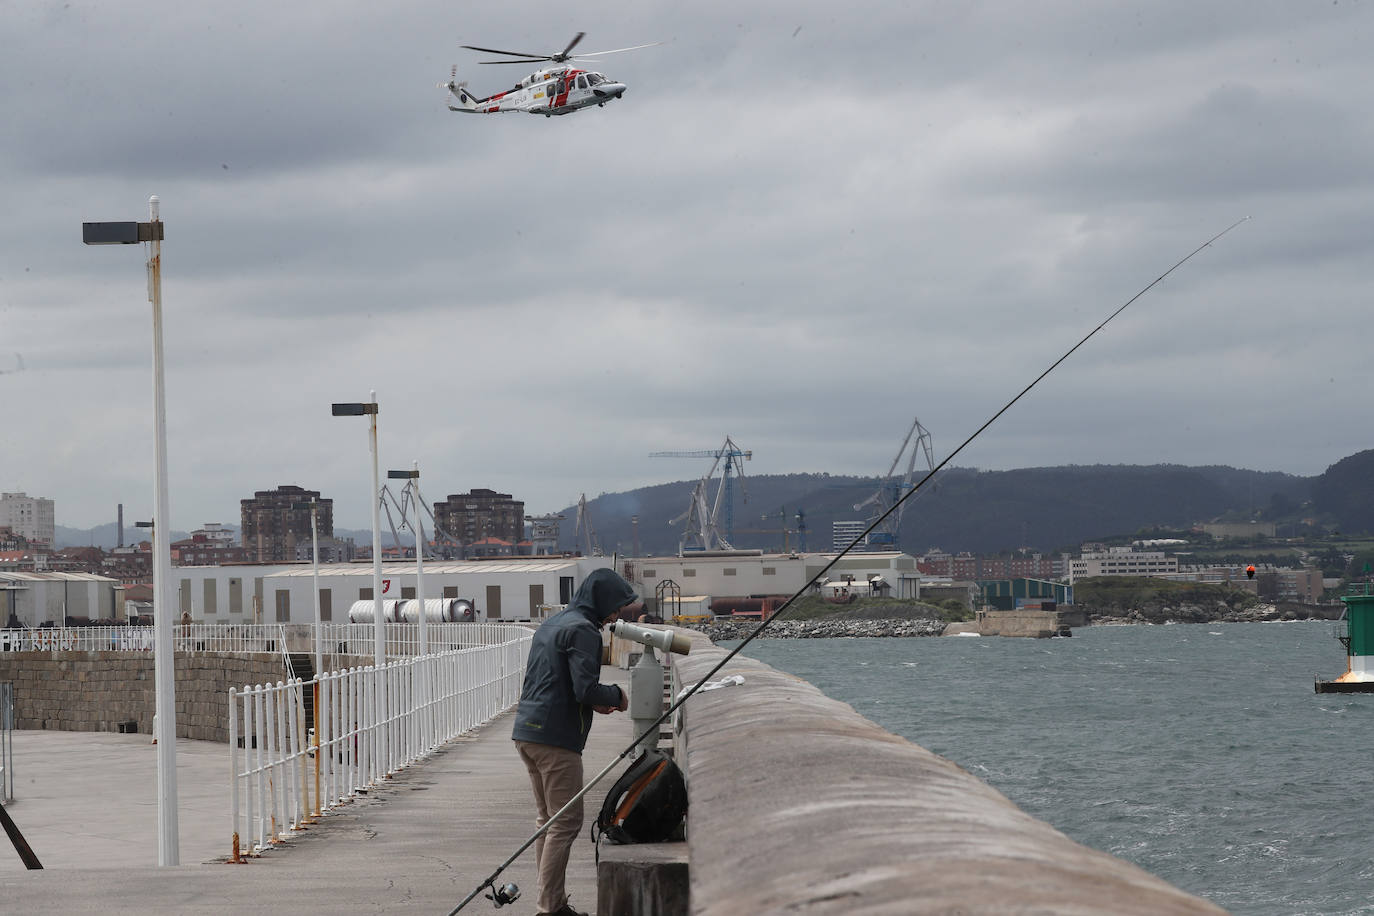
(979,511)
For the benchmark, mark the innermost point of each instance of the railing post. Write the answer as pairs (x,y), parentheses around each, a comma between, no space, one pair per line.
(259,743)
(294,713)
(234,774)
(317,701)
(274,743)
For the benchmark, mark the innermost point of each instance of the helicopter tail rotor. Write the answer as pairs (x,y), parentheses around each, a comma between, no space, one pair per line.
(459,91)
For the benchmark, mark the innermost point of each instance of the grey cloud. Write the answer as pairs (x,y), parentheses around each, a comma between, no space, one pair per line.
(799,238)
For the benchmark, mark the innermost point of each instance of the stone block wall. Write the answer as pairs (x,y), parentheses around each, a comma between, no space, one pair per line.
(101,691)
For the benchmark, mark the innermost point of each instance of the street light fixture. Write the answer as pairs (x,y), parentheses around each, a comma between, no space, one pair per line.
(412,479)
(164,667)
(369,409)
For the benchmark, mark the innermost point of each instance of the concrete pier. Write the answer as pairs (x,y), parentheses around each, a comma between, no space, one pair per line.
(798,805)
(87,806)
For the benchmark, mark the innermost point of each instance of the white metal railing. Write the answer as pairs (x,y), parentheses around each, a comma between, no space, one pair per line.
(402,639)
(367,724)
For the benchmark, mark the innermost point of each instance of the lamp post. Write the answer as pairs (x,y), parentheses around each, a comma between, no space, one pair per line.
(412,479)
(164,668)
(369,408)
(313,506)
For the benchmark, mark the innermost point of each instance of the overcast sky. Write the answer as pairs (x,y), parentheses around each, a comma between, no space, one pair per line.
(803,225)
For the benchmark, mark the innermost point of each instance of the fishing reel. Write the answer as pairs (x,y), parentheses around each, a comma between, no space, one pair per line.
(506,893)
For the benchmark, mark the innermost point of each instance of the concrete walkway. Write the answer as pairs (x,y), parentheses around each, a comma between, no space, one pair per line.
(87,804)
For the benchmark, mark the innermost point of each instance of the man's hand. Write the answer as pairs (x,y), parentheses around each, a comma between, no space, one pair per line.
(624,704)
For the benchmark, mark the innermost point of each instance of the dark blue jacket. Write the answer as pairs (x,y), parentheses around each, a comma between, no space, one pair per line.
(561,676)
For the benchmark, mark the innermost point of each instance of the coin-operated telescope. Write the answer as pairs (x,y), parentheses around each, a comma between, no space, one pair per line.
(654,638)
(646,677)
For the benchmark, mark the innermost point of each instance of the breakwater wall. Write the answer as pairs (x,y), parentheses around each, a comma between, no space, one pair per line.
(800,804)
(104,691)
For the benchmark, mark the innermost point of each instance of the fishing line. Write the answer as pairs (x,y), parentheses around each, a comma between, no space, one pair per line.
(860,538)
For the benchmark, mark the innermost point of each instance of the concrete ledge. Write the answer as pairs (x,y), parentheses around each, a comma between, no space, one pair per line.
(801,805)
(1027,623)
(643,878)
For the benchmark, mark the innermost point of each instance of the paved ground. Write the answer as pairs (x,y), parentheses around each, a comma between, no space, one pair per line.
(87,805)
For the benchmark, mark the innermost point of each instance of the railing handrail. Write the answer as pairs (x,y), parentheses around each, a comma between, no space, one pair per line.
(368,723)
(358,639)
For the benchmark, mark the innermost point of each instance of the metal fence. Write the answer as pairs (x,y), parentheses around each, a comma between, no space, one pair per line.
(299,748)
(402,639)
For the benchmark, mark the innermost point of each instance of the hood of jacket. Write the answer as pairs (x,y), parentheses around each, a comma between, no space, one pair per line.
(601,594)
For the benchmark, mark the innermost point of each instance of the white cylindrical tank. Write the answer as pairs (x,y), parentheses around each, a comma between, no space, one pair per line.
(437,610)
(366,611)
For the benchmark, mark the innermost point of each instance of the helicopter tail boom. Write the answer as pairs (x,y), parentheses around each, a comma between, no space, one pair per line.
(466,100)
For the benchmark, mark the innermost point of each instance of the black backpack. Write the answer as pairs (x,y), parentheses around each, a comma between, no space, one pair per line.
(646,804)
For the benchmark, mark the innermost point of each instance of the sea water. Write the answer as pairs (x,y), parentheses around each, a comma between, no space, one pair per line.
(1199,752)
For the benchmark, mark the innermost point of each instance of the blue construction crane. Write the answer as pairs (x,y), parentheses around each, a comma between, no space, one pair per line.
(703,523)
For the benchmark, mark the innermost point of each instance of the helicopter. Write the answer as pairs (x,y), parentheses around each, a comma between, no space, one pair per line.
(556,90)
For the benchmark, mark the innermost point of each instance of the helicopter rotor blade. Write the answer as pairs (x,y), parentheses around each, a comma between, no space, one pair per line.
(524,57)
(591,54)
(511,53)
(566,52)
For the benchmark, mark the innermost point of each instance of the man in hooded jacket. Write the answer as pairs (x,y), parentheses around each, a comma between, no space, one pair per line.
(560,694)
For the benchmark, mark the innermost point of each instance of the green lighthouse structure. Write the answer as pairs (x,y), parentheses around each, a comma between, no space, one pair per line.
(1355,630)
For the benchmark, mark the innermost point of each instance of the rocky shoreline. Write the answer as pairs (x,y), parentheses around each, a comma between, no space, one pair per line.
(1221,613)
(824,628)
(840,627)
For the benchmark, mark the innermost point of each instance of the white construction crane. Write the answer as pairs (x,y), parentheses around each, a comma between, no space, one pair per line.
(891,489)
(703,523)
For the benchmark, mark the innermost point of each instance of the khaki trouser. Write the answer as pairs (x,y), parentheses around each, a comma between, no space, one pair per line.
(555,776)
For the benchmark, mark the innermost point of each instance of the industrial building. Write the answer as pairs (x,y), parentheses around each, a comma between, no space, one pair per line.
(1122,561)
(507,589)
(1010,594)
(739,573)
(30,599)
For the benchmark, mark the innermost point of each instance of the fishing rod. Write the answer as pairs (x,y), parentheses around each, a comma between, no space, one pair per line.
(508,892)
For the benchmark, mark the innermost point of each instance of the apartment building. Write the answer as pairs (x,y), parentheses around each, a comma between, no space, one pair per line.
(30,517)
(481,514)
(273,522)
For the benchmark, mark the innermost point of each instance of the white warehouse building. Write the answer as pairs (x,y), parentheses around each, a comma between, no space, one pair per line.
(52,597)
(741,573)
(1121,561)
(503,589)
